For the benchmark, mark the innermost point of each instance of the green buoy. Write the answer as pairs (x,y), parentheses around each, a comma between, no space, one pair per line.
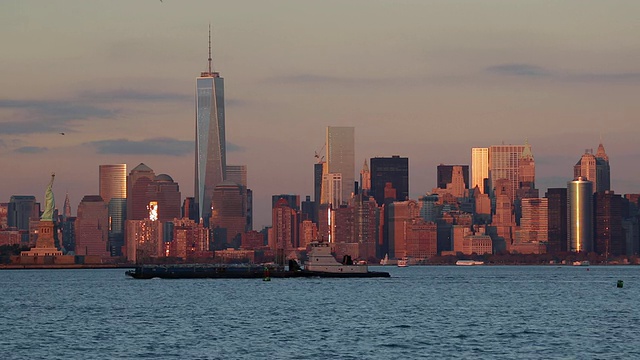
(620,283)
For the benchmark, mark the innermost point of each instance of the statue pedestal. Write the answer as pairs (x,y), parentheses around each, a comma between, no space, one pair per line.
(44,245)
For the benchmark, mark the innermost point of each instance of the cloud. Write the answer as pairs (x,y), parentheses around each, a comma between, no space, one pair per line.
(231,147)
(519,70)
(323,79)
(155,146)
(132,95)
(605,77)
(236,103)
(42,116)
(30,150)
(534,71)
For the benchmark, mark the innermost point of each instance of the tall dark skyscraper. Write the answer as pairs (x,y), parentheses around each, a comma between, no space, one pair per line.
(317,181)
(211,158)
(21,210)
(609,211)
(445,175)
(557,203)
(394,170)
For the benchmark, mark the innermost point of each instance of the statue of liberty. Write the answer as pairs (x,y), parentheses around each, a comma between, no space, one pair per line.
(50,203)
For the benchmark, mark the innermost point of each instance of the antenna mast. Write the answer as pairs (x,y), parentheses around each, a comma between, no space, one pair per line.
(209,48)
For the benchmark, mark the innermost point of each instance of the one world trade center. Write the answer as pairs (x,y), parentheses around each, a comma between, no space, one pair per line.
(210,138)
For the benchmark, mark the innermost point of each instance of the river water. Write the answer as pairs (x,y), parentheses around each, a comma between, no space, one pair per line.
(488,312)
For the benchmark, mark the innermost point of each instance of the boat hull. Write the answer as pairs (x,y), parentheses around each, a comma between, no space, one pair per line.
(222,272)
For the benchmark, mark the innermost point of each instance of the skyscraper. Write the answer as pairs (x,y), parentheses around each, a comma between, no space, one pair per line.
(211,158)
(341,157)
(394,170)
(237,174)
(445,175)
(365,178)
(594,168)
(580,215)
(138,183)
(504,163)
(609,211)
(479,168)
(229,213)
(113,191)
(91,227)
(166,193)
(557,219)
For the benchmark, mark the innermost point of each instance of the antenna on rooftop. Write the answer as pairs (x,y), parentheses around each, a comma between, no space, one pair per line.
(209,48)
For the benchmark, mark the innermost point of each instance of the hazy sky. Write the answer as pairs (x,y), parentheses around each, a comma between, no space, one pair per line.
(422,79)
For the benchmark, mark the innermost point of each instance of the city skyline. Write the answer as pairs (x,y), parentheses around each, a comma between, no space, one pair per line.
(563,80)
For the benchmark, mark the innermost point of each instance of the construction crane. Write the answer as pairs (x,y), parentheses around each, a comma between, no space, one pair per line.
(318,154)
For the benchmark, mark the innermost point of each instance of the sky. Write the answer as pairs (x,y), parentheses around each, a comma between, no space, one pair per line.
(424,79)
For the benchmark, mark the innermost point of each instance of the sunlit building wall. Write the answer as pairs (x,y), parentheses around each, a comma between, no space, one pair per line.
(113,190)
(504,163)
(341,157)
(580,215)
(138,183)
(479,168)
(92,227)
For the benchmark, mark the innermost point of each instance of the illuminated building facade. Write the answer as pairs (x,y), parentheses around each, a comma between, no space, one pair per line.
(504,163)
(92,227)
(138,183)
(341,158)
(580,215)
(113,190)
(480,168)
(594,168)
(166,193)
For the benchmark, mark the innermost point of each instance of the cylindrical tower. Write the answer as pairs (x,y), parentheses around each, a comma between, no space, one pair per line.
(580,215)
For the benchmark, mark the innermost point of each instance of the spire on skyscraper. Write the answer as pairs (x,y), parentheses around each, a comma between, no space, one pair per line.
(526,152)
(209,72)
(209,48)
(67,208)
(601,154)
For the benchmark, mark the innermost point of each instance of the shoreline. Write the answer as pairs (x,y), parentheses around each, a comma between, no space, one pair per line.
(63,267)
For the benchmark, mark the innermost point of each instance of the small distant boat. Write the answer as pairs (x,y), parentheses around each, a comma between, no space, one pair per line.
(581,263)
(404,262)
(469,262)
(387,261)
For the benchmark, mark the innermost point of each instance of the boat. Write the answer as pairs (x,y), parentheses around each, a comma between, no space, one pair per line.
(469,262)
(387,261)
(581,263)
(404,262)
(321,263)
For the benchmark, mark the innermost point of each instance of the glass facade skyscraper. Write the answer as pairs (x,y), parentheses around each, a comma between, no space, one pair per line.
(341,157)
(479,168)
(580,215)
(394,170)
(113,190)
(210,138)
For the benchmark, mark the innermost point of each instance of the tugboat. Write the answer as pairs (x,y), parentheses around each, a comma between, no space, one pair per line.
(321,264)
